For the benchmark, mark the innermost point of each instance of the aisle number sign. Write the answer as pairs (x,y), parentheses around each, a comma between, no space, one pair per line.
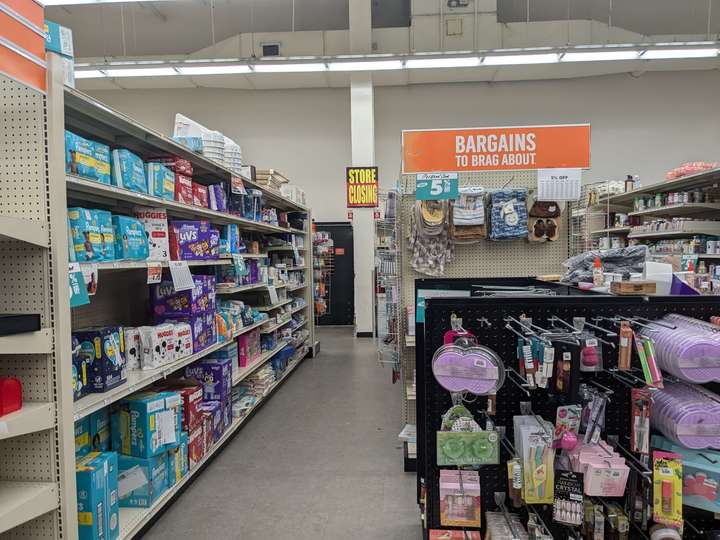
(362,187)
(436,186)
(496,148)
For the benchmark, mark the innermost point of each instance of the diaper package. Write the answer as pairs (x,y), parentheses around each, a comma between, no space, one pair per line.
(177,165)
(133,348)
(104,349)
(230,240)
(215,411)
(183,340)
(158,345)
(146,424)
(196,446)
(166,301)
(142,480)
(192,396)
(203,333)
(200,195)
(103,218)
(193,240)
(80,372)
(87,158)
(161,181)
(82,436)
(217,197)
(85,234)
(177,460)
(131,242)
(96,476)
(183,189)
(128,171)
(99,424)
(156,229)
(215,375)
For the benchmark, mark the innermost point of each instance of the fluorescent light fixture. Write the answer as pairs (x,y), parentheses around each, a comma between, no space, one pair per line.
(85,2)
(214,70)
(599,56)
(89,74)
(659,54)
(142,72)
(375,65)
(442,62)
(288,68)
(520,59)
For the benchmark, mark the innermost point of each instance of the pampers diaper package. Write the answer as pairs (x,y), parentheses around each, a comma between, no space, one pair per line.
(131,242)
(128,171)
(96,475)
(86,158)
(156,228)
(147,424)
(104,350)
(85,234)
(142,480)
(161,181)
(107,235)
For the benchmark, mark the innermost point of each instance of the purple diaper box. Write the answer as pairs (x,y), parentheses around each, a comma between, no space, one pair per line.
(202,326)
(214,409)
(200,299)
(193,240)
(215,376)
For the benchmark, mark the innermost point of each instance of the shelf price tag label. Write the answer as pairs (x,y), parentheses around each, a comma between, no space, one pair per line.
(237,186)
(78,291)
(181,276)
(437,186)
(559,184)
(154,272)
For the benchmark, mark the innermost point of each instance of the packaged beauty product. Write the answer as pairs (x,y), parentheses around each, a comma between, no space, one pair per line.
(460,498)
(568,504)
(625,347)
(667,488)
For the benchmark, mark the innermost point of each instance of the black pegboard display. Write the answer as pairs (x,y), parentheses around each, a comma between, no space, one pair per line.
(434,401)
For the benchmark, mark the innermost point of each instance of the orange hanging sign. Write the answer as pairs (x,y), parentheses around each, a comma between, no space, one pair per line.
(496,148)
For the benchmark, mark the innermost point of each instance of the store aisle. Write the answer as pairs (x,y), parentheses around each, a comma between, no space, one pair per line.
(321,460)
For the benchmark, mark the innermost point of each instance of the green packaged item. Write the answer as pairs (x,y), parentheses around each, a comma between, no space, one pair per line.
(467,448)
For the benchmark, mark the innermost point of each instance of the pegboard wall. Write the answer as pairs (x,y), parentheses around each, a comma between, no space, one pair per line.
(436,401)
(516,258)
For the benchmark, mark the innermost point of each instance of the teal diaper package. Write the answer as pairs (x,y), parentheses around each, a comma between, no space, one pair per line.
(82,437)
(97,496)
(177,460)
(86,158)
(99,422)
(130,239)
(142,480)
(107,234)
(128,171)
(161,181)
(85,234)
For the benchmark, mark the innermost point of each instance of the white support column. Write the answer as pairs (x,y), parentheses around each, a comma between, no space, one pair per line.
(362,122)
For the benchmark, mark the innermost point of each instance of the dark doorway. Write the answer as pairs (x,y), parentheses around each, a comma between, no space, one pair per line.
(335,274)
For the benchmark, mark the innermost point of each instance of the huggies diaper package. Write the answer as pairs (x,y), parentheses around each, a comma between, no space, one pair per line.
(215,410)
(156,228)
(161,181)
(104,348)
(183,340)
(146,424)
(193,240)
(192,396)
(183,189)
(128,171)
(87,158)
(176,164)
(196,446)
(131,241)
(85,234)
(202,335)
(133,348)
(158,345)
(142,480)
(107,235)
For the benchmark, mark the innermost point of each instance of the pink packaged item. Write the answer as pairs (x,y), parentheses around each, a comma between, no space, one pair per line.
(183,189)
(249,347)
(200,195)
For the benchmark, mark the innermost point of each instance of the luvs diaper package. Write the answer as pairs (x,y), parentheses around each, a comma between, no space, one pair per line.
(193,240)
(85,234)
(128,171)
(156,228)
(86,158)
(161,181)
(131,241)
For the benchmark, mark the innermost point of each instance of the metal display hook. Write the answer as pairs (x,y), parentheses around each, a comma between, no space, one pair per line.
(500,502)
(608,333)
(522,386)
(577,332)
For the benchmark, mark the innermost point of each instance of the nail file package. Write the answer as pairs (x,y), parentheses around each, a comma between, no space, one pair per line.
(688,415)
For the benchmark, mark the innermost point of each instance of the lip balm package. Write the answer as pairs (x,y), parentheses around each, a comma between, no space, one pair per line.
(130,239)
(128,171)
(161,181)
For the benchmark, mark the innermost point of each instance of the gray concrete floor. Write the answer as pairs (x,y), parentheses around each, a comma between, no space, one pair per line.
(321,460)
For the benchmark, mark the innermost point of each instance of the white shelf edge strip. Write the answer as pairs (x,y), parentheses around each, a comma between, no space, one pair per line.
(33,417)
(246,371)
(275,326)
(24,230)
(95,402)
(274,306)
(21,502)
(39,342)
(134,519)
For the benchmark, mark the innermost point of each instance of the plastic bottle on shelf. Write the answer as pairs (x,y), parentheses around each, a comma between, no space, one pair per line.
(690,278)
(702,279)
(598,274)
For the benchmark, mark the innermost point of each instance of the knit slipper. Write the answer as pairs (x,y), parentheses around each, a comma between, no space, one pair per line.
(551,229)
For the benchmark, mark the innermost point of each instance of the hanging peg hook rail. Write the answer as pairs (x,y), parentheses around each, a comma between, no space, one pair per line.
(500,502)
(607,390)
(545,528)
(615,374)
(608,333)
(577,332)
(522,386)
(657,323)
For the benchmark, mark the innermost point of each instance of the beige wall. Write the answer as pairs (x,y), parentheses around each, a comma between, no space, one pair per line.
(640,125)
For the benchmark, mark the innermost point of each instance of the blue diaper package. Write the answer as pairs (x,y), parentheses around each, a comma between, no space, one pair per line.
(141,480)
(103,218)
(99,423)
(96,476)
(85,234)
(128,171)
(87,158)
(161,181)
(82,436)
(104,349)
(147,424)
(177,460)
(131,241)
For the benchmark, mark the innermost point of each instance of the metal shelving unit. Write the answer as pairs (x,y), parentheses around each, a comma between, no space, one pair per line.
(37,447)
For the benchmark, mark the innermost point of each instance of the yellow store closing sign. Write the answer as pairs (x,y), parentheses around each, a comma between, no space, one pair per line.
(362,187)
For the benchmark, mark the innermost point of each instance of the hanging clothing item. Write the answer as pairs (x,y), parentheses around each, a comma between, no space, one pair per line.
(468,216)
(508,214)
(429,239)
